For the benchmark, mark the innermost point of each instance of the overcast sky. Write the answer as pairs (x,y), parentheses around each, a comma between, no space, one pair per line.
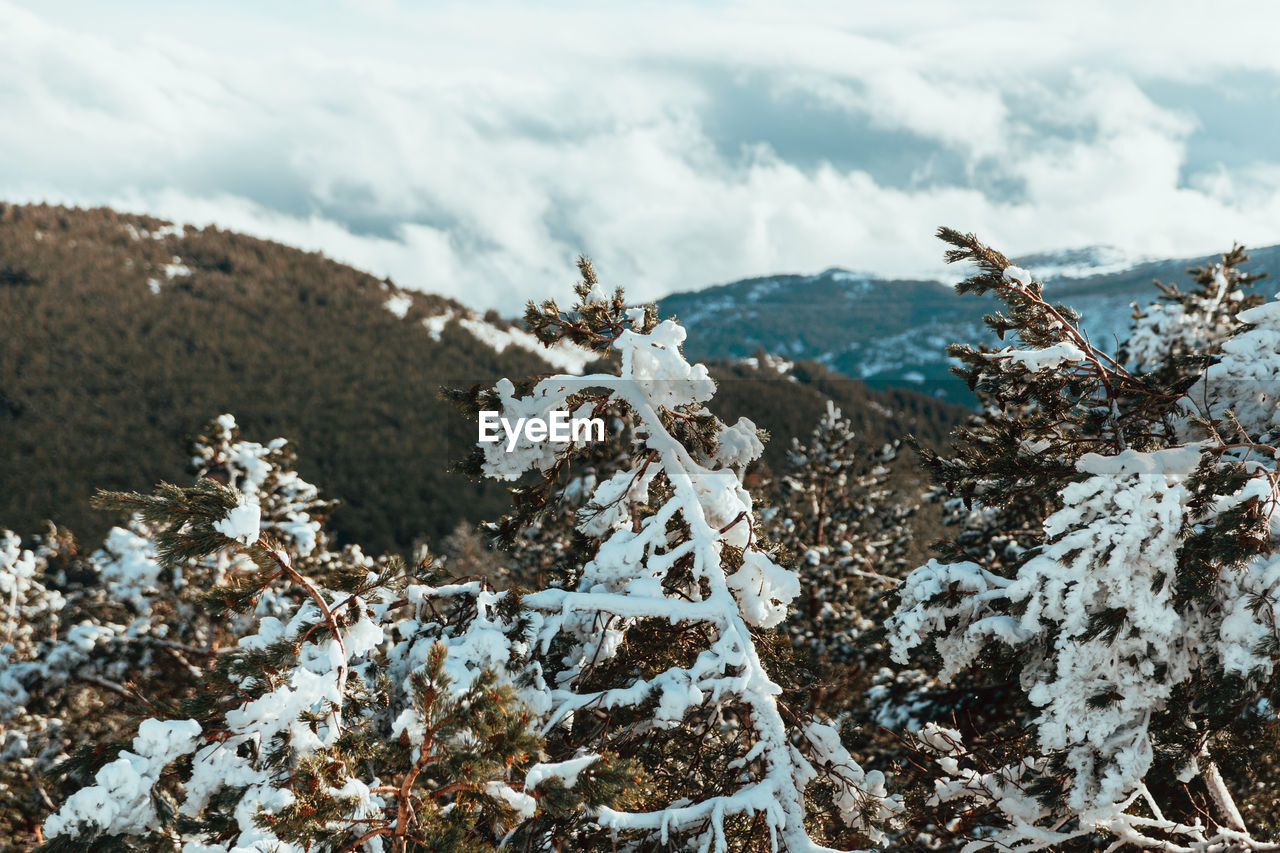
(474,149)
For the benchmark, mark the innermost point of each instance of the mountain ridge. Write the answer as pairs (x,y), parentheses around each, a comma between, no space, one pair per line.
(125,335)
(894,332)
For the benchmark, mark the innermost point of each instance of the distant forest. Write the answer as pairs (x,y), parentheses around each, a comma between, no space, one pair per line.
(123,337)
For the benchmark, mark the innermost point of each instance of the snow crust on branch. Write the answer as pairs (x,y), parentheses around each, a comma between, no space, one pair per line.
(1035,360)
(283,714)
(120,801)
(1099,621)
(242,523)
(705,516)
(299,708)
(1111,554)
(1245,380)
(1186,325)
(130,574)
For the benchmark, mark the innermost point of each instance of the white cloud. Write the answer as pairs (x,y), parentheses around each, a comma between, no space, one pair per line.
(474,149)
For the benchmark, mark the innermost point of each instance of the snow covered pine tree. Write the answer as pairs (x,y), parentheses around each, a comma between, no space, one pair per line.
(850,537)
(1142,624)
(1174,337)
(656,649)
(99,632)
(325,701)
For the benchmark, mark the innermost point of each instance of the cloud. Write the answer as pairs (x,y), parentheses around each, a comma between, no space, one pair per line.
(474,149)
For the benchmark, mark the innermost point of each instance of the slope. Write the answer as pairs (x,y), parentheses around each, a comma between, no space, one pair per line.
(124,335)
(895,332)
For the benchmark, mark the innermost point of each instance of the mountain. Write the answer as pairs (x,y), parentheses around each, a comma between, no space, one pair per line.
(892,332)
(124,335)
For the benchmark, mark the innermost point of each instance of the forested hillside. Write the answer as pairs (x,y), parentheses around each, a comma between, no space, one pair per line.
(124,335)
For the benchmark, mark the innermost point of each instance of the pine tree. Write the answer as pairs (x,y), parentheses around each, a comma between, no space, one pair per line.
(850,537)
(335,701)
(127,630)
(1127,619)
(1174,337)
(657,644)
(546,549)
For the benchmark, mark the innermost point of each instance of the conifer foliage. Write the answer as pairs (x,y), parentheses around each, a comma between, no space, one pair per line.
(849,535)
(1141,622)
(1089,663)
(657,648)
(324,700)
(1177,335)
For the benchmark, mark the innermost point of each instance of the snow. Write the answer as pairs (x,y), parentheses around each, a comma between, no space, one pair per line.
(166,231)
(1113,548)
(85,635)
(120,801)
(399,304)
(303,705)
(1242,633)
(175,269)
(435,324)
(1267,314)
(1174,463)
(566,772)
(1196,323)
(241,523)
(1017,276)
(562,356)
(764,589)
(1243,379)
(739,445)
(1085,262)
(970,589)
(550,395)
(771,363)
(523,804)
(161,233)
(624,582)
(485,644)
(1040,359)
(24,598)
(276,711)
(129,568)
(300,708)
(654,363)
(597,293)
(610,506)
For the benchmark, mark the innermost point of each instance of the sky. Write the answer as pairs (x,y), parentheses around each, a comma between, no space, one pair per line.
(475,149)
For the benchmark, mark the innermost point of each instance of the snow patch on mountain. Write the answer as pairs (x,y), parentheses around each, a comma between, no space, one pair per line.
(1079,263)
(160,233)
(563,356)
(174,269)
(399,304)
(436,323)
(769,362)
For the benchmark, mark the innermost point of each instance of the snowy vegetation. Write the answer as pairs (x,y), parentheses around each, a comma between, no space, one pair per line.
(667,652)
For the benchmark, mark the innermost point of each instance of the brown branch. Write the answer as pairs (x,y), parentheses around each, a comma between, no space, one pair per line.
(373,833)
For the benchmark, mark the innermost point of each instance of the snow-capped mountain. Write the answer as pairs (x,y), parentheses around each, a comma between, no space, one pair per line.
(895,332)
